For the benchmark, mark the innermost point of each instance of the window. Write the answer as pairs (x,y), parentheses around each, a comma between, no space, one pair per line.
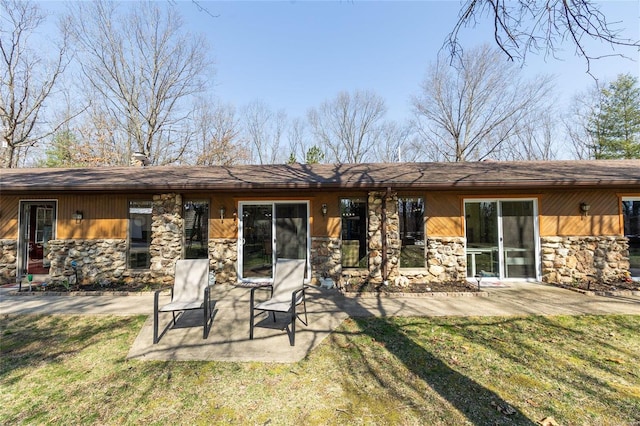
(354,232)
(411,216)
(44,224)
(139,234)
(631,216)
(196,229)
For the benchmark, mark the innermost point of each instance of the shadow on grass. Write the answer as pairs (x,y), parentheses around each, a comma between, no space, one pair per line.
(30,339)
(585,360)
(477,404)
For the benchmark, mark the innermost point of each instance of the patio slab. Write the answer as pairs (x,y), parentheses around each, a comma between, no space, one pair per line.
(228,338)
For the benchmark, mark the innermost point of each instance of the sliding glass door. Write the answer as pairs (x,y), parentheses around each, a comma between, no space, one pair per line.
(631,218)
(269,231)
(37,228)
(501,238)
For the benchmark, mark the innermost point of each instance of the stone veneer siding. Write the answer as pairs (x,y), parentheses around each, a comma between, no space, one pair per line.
(572,260)
(8,261)
(445,257)
(564,259)
(98,261)
(105,260)
(376,201)
(166,236)
(326,259)
(223,255)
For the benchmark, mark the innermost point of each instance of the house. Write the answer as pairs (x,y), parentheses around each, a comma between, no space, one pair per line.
(394,224)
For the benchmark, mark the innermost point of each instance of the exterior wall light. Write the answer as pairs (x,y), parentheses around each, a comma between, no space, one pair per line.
(77,216)
(223,210)
(584,208)
(324,209)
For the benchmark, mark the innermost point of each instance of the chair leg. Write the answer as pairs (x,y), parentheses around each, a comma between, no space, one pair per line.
(304,305)
(293,326)
(155,319)
(205,311)
(251,314)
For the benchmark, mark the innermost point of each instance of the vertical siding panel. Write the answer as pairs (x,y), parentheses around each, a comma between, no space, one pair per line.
(105,216)
(9,216)
(560,214)
(443,215)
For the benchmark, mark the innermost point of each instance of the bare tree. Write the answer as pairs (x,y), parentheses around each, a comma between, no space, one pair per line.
(469,112)
(145,71)
(28,80)
(297,138)
(348,126)
(524,26)
(394,143)
(217,135)
(264,130)
(536,140)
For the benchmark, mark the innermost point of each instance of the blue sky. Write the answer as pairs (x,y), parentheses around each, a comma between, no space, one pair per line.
(294,55)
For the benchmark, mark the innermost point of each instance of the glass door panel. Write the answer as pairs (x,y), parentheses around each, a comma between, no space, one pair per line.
(482,238)
(37,227)
(501,238)
(291,231)
(271,231)
(257,239)
(518,233)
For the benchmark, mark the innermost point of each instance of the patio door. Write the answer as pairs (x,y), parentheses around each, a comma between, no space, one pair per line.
(268,231)
(501,238)
(37,226)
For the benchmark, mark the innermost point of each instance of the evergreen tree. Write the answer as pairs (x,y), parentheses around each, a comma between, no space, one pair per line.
(314,155)
(615,123)
(61,152)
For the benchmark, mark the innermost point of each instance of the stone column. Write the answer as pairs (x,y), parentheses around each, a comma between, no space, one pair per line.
(166,235)
(391,257)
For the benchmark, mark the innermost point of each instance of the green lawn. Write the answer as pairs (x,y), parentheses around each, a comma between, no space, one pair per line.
(449,371)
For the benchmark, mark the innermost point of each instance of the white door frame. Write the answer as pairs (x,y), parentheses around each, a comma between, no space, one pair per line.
(536,233)
(241,238)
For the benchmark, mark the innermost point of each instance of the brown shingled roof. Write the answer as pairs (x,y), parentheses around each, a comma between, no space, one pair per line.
(432,176)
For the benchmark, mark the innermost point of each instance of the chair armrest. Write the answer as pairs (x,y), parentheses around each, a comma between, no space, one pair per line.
(294,295)
(253,290)
(156,298)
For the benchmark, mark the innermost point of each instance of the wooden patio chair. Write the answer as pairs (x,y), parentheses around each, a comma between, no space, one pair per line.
(190,291)
(287,292)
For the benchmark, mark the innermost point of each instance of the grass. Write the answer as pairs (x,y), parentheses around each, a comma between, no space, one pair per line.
(580,370)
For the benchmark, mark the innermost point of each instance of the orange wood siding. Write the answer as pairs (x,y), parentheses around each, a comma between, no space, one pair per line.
(105,216)
(9,205)
(443,213)
(326,226)
(560,214)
